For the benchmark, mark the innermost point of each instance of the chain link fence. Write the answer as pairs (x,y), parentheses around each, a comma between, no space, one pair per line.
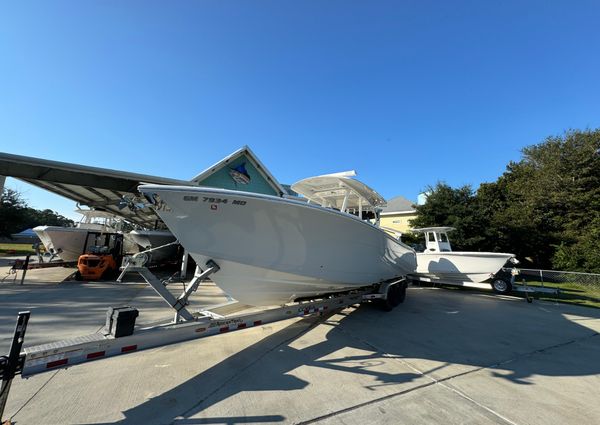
(574,287)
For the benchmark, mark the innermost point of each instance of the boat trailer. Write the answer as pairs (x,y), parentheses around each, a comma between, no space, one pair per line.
(499,283)
(120,336)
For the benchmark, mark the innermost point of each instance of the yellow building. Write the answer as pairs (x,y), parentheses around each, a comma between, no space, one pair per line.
(397,213)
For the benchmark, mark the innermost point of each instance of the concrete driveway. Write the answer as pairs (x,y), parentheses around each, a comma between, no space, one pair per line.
(444,356)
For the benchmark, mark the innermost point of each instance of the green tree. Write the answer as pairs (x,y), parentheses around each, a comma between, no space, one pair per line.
(446,206)
(16,215)
(554,198)
(12,208)
(545,208)
(46,217)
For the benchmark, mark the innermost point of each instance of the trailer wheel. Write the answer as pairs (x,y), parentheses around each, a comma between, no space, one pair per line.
(386,305)
(395,296)
(501,286)
(402,292)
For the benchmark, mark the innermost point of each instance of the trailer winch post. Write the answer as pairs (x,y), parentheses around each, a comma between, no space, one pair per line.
(13,363)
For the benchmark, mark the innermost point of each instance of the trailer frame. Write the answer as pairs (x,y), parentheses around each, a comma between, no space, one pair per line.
(510,285)
(185,325)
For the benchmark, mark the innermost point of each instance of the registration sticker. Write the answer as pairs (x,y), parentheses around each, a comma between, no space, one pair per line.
(216,201)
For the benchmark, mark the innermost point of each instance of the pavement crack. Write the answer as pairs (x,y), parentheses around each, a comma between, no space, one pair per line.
(542,350)
(249,365)
(39,390)
(34,395)
(442,382)
(367,403)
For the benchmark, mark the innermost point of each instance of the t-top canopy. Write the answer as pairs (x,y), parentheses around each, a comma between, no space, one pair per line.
(339,191)
(95,213)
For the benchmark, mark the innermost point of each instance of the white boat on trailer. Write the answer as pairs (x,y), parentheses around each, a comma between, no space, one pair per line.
(384,284)
(272,250)
(438,263)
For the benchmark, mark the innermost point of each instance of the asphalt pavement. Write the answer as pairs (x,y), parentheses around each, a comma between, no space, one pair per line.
(444,356)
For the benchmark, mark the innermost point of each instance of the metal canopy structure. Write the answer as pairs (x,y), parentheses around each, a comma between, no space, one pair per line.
(116,191)
(99,188)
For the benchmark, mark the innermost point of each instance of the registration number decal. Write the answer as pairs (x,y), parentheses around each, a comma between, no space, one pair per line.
(214,201)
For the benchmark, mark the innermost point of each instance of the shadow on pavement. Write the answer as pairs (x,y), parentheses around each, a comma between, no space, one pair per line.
(435,331)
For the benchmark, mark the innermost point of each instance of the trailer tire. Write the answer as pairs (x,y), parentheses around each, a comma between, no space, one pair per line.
(401,292)
(501,286)
(386,305)
(395,296)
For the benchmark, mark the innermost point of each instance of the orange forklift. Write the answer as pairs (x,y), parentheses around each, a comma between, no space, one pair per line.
(103,253)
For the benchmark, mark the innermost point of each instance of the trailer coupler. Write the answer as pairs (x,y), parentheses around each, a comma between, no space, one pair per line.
(12,364)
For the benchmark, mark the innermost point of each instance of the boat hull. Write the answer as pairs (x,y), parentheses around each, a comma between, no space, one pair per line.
(461,266)
(69,242)
(273,250)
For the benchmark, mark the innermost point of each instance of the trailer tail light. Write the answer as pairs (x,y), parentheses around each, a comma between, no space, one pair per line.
(57,363)
(128,348)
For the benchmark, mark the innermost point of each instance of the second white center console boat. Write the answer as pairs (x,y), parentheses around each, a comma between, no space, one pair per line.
(438,261)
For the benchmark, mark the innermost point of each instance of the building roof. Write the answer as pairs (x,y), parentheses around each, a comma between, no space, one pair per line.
(247,152)
(398,204)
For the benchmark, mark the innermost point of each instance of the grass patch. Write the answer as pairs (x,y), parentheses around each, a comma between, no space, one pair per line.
(16,249)
(570,293)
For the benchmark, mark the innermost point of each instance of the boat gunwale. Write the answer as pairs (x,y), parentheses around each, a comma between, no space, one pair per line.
(144,188)
(469,253)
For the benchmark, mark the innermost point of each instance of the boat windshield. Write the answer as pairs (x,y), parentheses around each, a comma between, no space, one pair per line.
(95,219)
(436,238)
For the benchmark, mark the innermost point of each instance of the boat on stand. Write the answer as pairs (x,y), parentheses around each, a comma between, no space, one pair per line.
(70,242)
(160,242)
(275,250)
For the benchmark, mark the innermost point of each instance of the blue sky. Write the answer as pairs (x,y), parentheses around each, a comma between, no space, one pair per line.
(407,93)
